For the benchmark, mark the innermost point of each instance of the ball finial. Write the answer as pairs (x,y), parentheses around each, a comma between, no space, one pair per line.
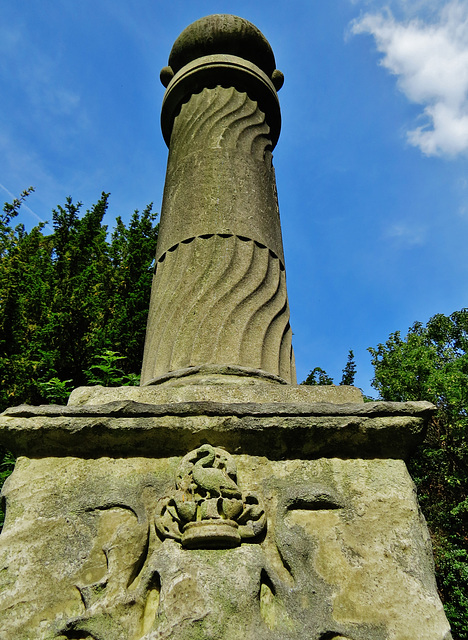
(222,34)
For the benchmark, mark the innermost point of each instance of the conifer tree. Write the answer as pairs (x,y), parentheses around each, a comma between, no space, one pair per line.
(349,372)
(70,296)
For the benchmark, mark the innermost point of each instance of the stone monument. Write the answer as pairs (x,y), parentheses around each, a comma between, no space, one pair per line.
(219,500)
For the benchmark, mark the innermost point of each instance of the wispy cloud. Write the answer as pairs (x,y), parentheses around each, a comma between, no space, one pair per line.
(430,60)
(43,90)
(406,234)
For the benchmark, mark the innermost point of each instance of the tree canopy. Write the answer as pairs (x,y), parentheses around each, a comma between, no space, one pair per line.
(431,363)
(70,296)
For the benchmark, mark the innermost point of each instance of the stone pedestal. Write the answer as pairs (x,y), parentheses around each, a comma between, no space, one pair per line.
(220,501)
(220,511)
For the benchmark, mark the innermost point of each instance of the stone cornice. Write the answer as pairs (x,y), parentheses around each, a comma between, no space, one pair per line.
(278,430)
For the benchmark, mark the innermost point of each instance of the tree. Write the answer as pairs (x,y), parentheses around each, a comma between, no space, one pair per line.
(349,372)
(71,296)
(431,363)
(320,376)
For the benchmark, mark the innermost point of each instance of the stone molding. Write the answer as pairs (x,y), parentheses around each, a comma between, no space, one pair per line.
(280,430)
(225,71)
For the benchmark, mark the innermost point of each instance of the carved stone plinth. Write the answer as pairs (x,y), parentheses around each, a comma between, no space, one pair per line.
(150,513)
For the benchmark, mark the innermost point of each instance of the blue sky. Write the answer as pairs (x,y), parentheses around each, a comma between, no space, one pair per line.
(371,164)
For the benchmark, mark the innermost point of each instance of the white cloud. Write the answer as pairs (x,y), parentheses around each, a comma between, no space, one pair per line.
(430,60)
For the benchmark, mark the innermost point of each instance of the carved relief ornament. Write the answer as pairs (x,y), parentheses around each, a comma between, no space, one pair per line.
(207,509)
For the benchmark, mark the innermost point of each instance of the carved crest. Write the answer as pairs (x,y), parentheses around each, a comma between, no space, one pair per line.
(207,509)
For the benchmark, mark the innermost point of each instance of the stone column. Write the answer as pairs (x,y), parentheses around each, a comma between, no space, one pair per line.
(219,291)
(197,510)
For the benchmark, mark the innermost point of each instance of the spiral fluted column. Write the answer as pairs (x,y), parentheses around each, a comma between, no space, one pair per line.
(219,291)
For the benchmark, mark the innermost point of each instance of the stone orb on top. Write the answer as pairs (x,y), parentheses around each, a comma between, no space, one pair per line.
(222,34)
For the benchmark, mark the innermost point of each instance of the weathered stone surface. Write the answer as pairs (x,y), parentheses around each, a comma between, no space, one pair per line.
(379,429)
(345,555)
(216,388)
(219,290)
(207,509)
(222,33)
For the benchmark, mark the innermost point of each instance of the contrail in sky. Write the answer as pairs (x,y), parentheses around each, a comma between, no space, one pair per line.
(25,206)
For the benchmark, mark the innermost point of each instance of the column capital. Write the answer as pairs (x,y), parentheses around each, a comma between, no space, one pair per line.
(221,50)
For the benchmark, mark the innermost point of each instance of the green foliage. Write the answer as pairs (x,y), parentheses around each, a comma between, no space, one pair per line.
(318,376)
(68,299)
(107,373)
(10,211)
(70,296)
(431,363)
(7,463)
(349,372)
(56,391)
(452,565)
